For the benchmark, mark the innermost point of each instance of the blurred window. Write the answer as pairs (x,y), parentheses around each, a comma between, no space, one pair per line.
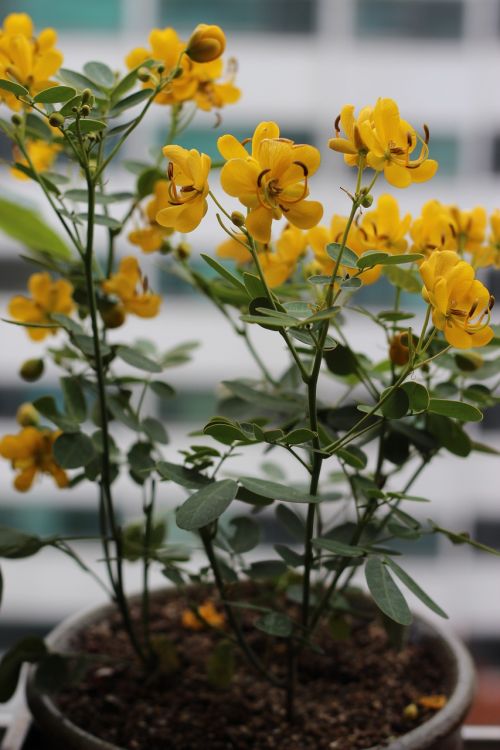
(446,149)
(14,273)
(278,16)
(45,519)
(487,531)
(422,19)
(188,406)
(11,396)
(91,14)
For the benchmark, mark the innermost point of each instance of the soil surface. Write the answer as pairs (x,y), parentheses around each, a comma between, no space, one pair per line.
(353,696)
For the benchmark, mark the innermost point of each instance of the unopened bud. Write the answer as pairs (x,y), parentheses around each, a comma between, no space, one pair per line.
(238,219)
(56,120)
(113,317)
(183,251)
(207,43)
(85,110)
(144,75)
(31,370)
(367,201)
(160,68)
(27,415)
(86,96)
(399,352)
(16,120)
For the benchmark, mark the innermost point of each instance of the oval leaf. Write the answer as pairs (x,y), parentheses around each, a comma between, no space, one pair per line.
(12,87)
(73,449)
(277,491)
(455,410)
(135,359)
(386,594)
(348,258)
(206,505)
(55,94)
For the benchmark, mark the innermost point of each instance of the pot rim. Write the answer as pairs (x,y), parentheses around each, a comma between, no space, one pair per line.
(453,654)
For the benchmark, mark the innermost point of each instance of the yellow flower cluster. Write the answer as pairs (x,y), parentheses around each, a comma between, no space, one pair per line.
(30,453)
(202,69)
(47,297)
(26,59)
(379,138)
(41,154)
(130,287)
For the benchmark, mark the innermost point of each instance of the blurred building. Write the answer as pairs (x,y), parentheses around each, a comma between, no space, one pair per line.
(299,62)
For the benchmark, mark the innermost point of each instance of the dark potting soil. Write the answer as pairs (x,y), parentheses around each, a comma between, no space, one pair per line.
(351,697)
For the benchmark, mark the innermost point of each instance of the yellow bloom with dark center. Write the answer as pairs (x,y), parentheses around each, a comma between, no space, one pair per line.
(469,227)
(461,304)
(212,90)
(47,297)
(280,264)
(433,230)
(42,155)
(30,453)
(273,182)
(319,237)
(389,143)
(187,189)
(132,290)
(206,43)
(151,237)
(26,59)
(234,249)
(383,229)
(351,144)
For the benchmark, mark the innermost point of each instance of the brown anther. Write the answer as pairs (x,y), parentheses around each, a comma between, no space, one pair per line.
(245,141)
(336,125)
(397,150)
(285,210)
(426,133)
(170,171)
(473,309)
(304,168)
(491,302)
(261,176)
(358,141)
(453,231)
(188,189)
(145,284)
(409,139)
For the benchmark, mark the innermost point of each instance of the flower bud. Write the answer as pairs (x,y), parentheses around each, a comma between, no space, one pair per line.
(56,120)
(86,96)
(183,251)
(16,120)
(113,317)
(367,201)
(399,352)
(85,110)
(207,43)
(238,218)
(31,370)
(144,75)
(27,415)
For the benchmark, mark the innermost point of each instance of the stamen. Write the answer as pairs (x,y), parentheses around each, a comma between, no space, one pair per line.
(336,125)
(304,168)
(426,133)
(260,177)
(491,302)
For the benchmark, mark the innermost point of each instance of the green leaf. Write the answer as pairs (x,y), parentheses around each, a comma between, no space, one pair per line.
(73,450)
(67,110)
(267,569)
(206,505)
(386,594)
(341,361)
(406,280)
(47,407)
(147,180)
(353,456)
(415,588)
(397,405)
(30,649)
(349,258)
(135,358)
(374,258)
(86,345)
(180,475)
(292,522)
(79,81)
(338,548)
(418,396)
(449,434)
(261,399)
(16,544)
(27,227)
(155,430)
(37,178)
(299,436)
(130,101)
(277,491)
(221,665)
(74,399)
(140,461)
(224,272)
(161,389)
(326,314)
(254,286)
(226,431)
(55,94)
(81,196)
(292,558)
(13,88)
(87,126)
(100,74)
(246,534)
(275,623)
(455,410)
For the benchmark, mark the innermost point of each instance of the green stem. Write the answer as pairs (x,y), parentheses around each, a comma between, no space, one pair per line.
(145,603)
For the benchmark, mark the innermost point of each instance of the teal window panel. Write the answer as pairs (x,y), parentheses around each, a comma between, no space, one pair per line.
(205,138)
(64,15)
(446,149)
(194,407)
(426,546)
(11,397)
(45,520)
(420,19)
(278,16)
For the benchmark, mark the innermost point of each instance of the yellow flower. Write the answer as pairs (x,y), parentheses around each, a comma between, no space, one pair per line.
(233,249)
(42,156)
(131,288)
(383,229)
(206,43)
(321,236)
(30,453)
(489,255)
(460,303)
(208,616)
(47,297)
(273,181)
(151,237)
(279,265)
(210,92)
(352,146)
(386,142)
(469,227)
(187,189)
(433,229)
(29,60)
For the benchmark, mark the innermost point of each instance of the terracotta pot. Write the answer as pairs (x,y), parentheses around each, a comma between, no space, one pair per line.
(441,732)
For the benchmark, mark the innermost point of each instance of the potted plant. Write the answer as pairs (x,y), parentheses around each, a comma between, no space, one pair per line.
(242,651)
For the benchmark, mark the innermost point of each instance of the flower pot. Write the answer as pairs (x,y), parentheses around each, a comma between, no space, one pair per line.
(440,732)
